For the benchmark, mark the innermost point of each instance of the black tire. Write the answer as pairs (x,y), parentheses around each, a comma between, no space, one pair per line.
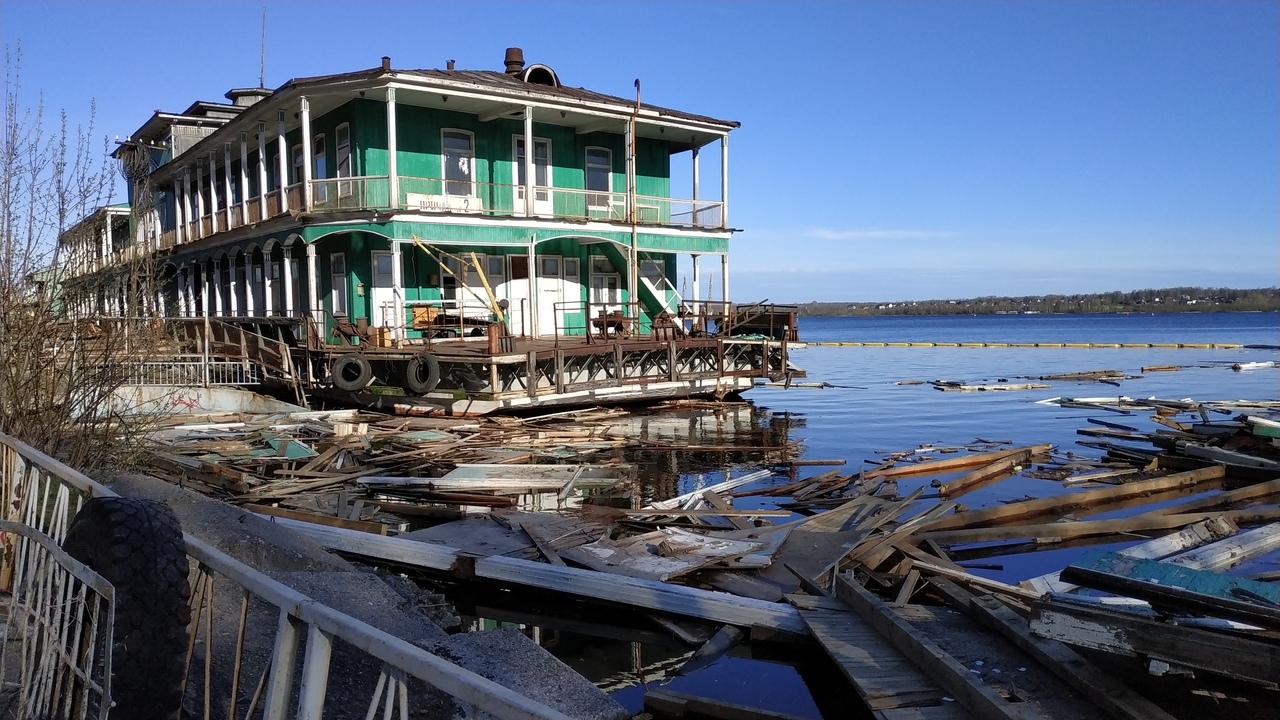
(351,372)
(137,546)
(421,374)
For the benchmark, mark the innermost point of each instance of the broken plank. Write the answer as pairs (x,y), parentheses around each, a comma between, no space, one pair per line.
(539,542)
(1087,528)
(668,704)
(375,528)
(1205,531)
(1168,585)
(954,677)
(1101,688)
(1130,634)
(1085,498)
(987,473)
(938,467)
(1228,553)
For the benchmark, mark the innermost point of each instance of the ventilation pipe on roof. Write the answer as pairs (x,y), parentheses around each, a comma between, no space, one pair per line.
(514,61)
(449,65)
(386,63)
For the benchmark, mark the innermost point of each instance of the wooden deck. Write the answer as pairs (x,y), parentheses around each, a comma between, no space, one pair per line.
(884,678)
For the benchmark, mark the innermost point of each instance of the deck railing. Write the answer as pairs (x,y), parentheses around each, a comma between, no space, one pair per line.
(50,494)
(437,195)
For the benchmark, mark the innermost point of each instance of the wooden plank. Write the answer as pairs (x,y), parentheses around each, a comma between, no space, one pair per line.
(1132,635)
(705,513)
(668,704)
(541,543)
(1063,504)
(880,674)
(1206,531)
(987,473)
(938,467)
(1101,688)
(648,594)
(1228,553)
(375,528)
(1066,530)
(1166,584)
(1224,499)
(716,501)
(954,677)
(634,592)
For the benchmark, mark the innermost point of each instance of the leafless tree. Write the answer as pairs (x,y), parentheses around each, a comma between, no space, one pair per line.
(60,378)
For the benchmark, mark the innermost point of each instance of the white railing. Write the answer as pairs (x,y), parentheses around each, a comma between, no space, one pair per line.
(278,679)
(190,372)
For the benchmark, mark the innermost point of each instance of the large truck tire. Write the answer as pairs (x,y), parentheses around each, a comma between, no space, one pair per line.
(351,372)
(137,546)
(421,374)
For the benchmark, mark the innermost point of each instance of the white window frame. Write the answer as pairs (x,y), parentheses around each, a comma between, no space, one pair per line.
(541,192)
(444,162)
(576,272)
(342,154)
(298,160)
(319,167)
(593,200)
(338,286)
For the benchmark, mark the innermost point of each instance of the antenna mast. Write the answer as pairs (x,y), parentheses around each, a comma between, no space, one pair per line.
(262,57)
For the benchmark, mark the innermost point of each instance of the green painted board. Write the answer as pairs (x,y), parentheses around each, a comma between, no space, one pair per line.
(1174,586)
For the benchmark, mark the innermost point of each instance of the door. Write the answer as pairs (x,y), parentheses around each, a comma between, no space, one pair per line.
(541,176)
(550,295)
(517,294)
(382,296)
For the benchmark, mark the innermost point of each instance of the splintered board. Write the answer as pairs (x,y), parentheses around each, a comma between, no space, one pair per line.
(1170,585)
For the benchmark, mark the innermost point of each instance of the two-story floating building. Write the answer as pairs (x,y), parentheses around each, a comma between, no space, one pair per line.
(482,239)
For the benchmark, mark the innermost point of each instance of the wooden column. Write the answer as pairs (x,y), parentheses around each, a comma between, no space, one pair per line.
(393,172)
(305,113)
(282,160)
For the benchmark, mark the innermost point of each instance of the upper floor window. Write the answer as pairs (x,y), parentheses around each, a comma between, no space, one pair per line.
(319,168)
(297,164)
(599,175)
(342,166)
(459,162)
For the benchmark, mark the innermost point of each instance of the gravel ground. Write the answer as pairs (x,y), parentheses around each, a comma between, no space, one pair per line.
(387,602)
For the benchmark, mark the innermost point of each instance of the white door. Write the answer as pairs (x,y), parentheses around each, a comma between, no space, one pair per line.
(381,292)
(550,295)
(519,319)
(541,176)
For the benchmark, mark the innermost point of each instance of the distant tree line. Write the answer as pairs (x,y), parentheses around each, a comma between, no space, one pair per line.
(1165,300)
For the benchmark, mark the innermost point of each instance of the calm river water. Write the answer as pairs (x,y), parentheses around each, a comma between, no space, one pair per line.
(868,414)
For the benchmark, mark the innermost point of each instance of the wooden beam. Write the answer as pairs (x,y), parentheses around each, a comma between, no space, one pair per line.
(1071,530)
(955,678)
(668,704)
(1233,551)
(1102,689)
(1230,497)
(938,467)
(986,473)
(1193,536)
(1063,504)
(375,528)
(1132,635)
(1169,585)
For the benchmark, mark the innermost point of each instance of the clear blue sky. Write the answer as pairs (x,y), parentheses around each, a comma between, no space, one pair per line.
(888,151)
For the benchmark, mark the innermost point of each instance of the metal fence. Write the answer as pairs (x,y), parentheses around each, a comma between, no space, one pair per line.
(191,371)
(223,679)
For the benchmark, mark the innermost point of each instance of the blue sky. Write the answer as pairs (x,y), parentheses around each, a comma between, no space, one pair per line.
(889,151)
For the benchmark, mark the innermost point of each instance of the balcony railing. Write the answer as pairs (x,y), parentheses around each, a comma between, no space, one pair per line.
(437,195)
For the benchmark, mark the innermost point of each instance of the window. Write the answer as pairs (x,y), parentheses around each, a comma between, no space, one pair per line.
(601,265)
(605,289)
(342,169)
(571,269)
(297,164)
(541,168)
(319,168)
(550,267)
(338,283)
(495,266)
(459,162)
(653,270)
(273,172)
(599,176)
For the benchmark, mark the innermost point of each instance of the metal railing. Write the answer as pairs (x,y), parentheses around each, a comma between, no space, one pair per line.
(352,193)
(185,371)
(61,613)
(279,679)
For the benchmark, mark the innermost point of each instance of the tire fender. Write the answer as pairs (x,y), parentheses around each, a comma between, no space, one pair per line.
(351,372)
(421,374)
(137,546)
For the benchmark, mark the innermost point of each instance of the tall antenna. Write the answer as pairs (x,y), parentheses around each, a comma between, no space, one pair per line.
(262,57)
